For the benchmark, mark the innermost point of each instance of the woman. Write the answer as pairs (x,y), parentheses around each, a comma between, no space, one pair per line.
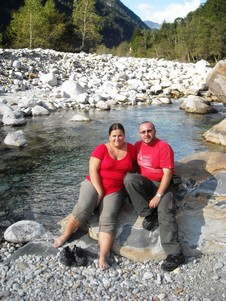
(103,188)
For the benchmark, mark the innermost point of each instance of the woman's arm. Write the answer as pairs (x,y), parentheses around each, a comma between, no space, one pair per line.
(94,167)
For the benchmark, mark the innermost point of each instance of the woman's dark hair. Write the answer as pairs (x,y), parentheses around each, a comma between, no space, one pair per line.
(116,126)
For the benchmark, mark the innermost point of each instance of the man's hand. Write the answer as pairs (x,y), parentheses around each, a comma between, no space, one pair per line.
(154,202)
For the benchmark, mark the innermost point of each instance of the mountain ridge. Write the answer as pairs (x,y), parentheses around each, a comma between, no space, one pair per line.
(152,25)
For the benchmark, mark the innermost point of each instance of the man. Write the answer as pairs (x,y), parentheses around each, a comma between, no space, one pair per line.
(153,194)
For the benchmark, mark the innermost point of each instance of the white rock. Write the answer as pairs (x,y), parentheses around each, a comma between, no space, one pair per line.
(78,117)
(13,118)
(156,88)
(24,231)
(39,111)
(103,105)
(72,88)
(49,79)
(15,139)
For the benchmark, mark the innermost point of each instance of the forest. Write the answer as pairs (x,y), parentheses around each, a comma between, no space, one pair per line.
(200,35)
(107,27)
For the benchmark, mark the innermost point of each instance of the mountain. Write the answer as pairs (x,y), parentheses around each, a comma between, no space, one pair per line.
(119,20)
(152,25)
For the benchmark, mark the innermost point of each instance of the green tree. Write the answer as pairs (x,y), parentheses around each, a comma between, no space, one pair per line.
(141,42)
(55,26)
(27,26)
(87,23)
(122,50)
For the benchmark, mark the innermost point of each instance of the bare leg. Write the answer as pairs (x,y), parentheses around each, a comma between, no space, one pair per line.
(71,226)
(105,242)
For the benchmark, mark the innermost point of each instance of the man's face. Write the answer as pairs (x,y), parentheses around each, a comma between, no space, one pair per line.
(147,132)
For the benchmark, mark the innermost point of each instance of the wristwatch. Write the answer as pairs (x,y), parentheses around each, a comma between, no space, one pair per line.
(159,195)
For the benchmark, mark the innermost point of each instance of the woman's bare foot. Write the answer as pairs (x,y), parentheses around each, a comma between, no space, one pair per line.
(103,263)
(60,241)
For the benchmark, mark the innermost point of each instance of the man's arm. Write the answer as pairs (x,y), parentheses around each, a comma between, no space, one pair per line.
(164,184)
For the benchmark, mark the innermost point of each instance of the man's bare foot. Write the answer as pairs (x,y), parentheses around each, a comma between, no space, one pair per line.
(103,263)
(60,241)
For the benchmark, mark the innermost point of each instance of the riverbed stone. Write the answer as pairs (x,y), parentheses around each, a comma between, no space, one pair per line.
(16,138)
(78,117)
(39,111)
(13,118)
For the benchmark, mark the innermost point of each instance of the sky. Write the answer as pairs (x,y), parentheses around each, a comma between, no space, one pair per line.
(162,10)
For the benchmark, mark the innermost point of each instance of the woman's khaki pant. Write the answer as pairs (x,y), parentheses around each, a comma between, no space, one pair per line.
(108,208)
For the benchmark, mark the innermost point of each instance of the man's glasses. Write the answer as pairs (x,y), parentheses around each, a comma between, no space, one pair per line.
(146,132)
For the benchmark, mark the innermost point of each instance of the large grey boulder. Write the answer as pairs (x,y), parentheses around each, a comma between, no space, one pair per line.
(197,105)
(217,134)
(201,213)
(216,81)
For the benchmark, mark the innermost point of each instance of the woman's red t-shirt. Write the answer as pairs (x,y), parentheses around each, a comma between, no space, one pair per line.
(112,171)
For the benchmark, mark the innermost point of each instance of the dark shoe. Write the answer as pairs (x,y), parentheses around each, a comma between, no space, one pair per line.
(150,222)
(172,262)
(67,257)
(80,256)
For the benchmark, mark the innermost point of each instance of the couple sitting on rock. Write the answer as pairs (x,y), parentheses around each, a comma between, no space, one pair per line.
(113,171)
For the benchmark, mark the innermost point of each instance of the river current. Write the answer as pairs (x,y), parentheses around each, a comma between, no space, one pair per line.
(41,181)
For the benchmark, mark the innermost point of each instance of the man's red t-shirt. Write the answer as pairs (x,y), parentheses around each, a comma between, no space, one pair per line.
(112,171)
(153,158)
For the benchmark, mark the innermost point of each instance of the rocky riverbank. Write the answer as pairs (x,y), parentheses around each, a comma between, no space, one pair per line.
(41,278)
(38,82)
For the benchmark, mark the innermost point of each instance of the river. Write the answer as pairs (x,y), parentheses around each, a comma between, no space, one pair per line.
(41,181)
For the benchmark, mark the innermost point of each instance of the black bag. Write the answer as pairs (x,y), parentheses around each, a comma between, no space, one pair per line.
(176,180)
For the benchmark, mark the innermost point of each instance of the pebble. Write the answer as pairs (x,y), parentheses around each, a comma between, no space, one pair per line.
(41,278)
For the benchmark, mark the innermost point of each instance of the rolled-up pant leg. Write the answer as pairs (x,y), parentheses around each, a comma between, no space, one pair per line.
(140,191)
(109,208)
(86,202)
(167,223)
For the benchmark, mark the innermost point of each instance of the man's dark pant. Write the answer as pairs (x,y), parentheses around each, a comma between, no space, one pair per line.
(141,190)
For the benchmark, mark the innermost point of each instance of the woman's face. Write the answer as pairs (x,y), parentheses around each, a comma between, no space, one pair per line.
(117,138)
